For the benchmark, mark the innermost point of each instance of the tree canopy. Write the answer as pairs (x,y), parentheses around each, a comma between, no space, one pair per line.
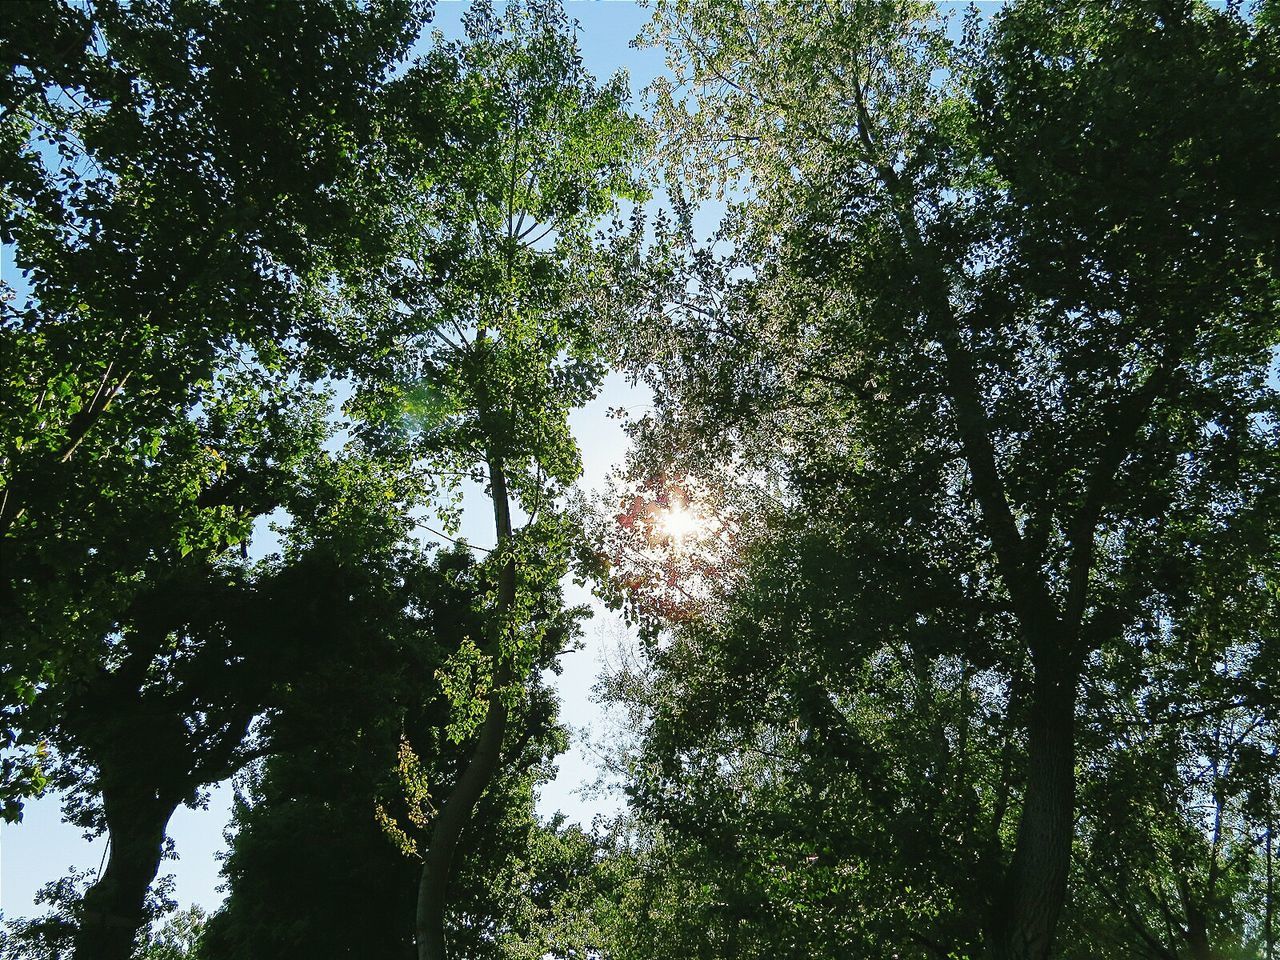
(948,533)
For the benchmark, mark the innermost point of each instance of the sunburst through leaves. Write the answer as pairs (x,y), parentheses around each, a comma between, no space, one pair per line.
(670,547)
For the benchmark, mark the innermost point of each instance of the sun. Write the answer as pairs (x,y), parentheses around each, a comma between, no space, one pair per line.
(673,547)
(671,521)
(677,522)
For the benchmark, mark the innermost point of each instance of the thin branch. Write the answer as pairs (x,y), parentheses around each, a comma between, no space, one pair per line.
(445,536)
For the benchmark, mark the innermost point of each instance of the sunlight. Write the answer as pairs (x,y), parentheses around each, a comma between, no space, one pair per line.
(673,546)
(679,523)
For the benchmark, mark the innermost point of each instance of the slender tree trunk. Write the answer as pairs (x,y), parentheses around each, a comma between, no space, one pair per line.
(437,867)
(455,813)
(1270,909)
(113,910)
(1035,886)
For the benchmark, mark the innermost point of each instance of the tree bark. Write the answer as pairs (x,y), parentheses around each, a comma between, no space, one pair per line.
(1026,911)
(1268,934)
(455,813)
(1197,936)
(114,907)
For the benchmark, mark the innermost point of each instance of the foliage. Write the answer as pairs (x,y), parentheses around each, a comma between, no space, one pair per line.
(949,532)
(166,935)
(182,217)
(174,207)
(180,937)
(993,322)
(495,300)
(327,839)
(48,937)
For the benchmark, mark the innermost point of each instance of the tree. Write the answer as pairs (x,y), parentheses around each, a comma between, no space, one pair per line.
(190,687)
(496,307)
(165,386)
(998,317)
(815,775)
(1179,768)
(325,853)
(172,221)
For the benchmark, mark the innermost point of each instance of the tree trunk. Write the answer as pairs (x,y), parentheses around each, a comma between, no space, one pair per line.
(1198,936)
(455,813)
(1269,935)
(114,907)
(1035,886)
(437,867)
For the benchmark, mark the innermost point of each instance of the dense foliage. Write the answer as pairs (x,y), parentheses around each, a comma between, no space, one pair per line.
(993,322)
(950,531)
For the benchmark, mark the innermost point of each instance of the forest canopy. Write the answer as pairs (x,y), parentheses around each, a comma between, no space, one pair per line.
(946,538)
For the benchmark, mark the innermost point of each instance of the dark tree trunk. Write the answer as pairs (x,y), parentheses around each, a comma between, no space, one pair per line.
(1198,936)
(114,907)
(1035,886)
(1269,935)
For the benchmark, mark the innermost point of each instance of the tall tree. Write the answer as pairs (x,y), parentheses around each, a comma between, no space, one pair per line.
(999,314)
(188,687)
(497,303)
(181,213)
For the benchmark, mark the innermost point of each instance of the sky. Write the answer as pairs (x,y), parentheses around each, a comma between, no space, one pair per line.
(42,848)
